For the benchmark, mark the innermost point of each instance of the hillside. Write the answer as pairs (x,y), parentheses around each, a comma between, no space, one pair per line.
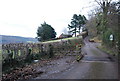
(5,39)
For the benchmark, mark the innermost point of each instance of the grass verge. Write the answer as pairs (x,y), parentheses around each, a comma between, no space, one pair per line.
(110,51)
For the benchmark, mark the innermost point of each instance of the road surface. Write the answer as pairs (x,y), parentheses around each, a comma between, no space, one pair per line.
(94,65)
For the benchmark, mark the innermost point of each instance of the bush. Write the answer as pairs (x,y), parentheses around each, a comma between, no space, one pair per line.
(106,36)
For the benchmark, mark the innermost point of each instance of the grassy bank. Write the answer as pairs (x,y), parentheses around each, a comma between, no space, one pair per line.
(111,51)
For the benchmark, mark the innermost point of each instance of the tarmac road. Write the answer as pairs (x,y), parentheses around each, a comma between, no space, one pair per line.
(95,65)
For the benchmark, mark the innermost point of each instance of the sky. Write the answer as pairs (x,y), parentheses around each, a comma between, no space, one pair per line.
(22,17)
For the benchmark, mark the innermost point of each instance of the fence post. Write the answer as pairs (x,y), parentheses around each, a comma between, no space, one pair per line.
(51,54)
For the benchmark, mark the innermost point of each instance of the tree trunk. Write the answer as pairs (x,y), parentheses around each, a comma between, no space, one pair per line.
(75,31)
(79,29)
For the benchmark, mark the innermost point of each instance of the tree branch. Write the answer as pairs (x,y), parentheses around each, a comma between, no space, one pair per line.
(99,3)
(109,1)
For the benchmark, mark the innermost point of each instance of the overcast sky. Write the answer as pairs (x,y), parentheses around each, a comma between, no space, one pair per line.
(22,17)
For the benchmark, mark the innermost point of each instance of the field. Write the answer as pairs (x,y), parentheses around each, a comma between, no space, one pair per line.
(65,39)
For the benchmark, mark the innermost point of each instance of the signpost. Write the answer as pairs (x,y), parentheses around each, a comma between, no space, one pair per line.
(111,37)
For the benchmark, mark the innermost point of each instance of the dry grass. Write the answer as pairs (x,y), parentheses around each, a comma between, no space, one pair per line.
(96,39)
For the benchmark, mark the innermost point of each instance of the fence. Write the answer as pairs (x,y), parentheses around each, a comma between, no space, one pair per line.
(20,51)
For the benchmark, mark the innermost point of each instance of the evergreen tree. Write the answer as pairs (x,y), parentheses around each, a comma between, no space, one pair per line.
(45,32)
(76,23)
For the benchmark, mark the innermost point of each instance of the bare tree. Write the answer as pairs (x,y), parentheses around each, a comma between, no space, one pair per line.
(104,5)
